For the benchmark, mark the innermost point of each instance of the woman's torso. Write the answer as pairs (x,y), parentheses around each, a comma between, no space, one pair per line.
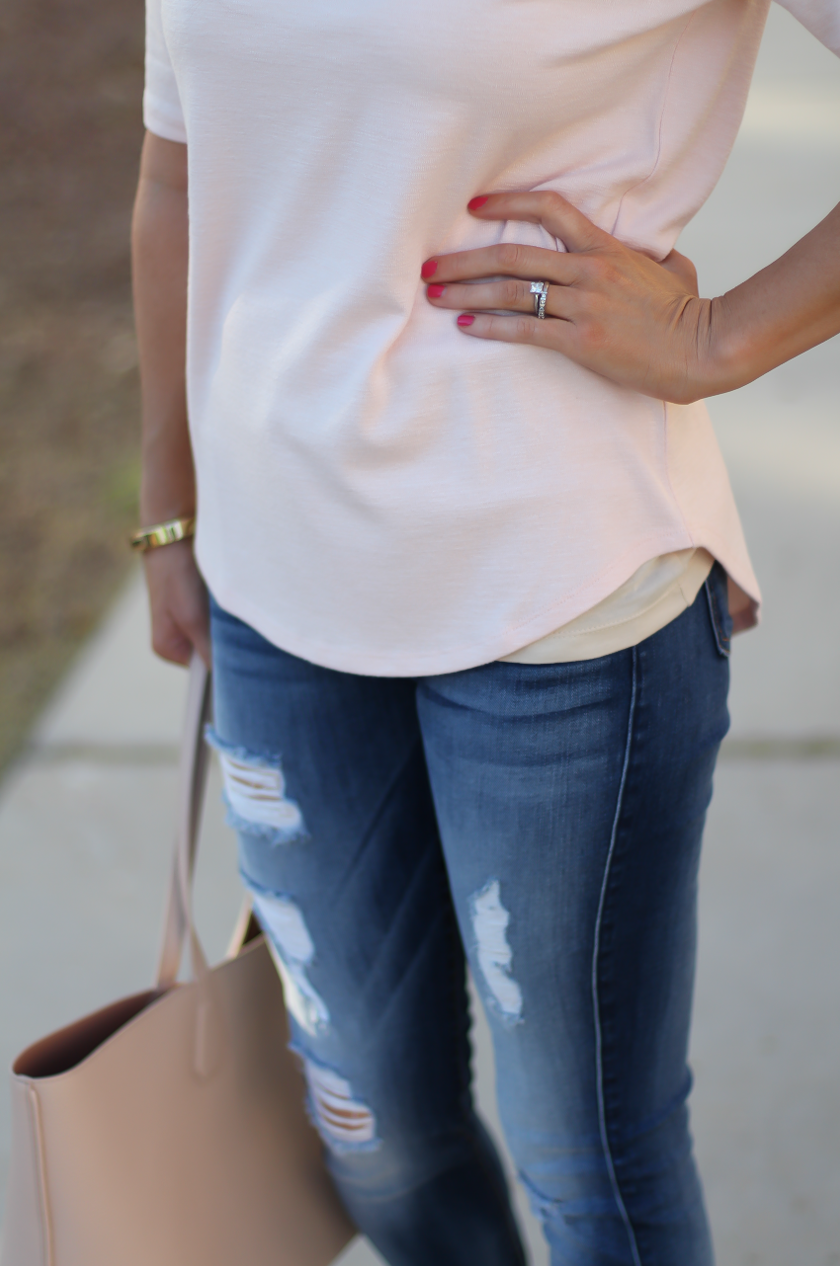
(378,493)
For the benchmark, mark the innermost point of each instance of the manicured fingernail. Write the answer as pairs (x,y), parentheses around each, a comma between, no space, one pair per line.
(475,203)
(429,268)
(466,318)
(435,291)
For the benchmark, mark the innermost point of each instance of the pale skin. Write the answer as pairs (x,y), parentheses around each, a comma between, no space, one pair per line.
(638,322)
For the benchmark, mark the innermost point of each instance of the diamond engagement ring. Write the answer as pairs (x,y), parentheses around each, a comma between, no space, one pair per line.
(539,289)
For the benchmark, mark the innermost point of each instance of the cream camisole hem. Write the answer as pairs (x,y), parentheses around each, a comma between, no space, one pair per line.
(654,595)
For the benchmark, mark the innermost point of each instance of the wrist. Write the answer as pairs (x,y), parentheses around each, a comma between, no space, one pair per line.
(703,366)
(731,353)
(165,498)
(155,510)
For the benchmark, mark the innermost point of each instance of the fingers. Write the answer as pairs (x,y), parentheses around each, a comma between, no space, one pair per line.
(509,295)
(178,601)
(545,207)
(554,334)
(197,631)
(170,642)
(508,259)
(513,259)
(176,633)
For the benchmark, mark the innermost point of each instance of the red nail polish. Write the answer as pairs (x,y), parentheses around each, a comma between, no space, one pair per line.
(436,291)
(429,268)
(466,318)
(475,203)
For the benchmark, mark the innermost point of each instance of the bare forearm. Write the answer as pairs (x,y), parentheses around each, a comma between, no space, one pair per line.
(159,254)
(177,596)
(787,308)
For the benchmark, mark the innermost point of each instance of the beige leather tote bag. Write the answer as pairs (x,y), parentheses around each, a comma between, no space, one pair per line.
(169,1128)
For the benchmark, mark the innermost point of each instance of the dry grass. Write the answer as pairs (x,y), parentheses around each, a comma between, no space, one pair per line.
(70,131)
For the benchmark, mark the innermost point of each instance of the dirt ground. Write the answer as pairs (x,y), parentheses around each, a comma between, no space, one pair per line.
(71,78)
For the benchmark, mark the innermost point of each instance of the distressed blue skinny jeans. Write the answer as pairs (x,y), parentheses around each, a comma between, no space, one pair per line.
(546,820)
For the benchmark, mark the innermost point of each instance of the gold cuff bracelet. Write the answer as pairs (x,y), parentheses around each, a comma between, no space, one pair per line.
(163,534)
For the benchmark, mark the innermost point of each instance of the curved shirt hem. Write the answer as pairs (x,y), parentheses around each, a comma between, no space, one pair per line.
(418,663)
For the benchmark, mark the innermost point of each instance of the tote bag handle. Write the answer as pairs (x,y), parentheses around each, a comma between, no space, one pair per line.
(192,778)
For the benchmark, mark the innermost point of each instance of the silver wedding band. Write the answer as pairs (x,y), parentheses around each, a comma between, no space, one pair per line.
(539,289)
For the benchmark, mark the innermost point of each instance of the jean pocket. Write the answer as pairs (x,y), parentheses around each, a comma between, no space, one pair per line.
(718,599)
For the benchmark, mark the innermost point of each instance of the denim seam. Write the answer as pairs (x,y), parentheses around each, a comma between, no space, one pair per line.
(599,1054)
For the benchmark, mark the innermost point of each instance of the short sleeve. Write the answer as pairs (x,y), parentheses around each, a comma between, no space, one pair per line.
(162,113)
(820,17)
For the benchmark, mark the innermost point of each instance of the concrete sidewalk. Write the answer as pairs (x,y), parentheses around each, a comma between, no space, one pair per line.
(85,819)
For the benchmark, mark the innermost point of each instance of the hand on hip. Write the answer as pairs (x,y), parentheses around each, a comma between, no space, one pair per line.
(610,308)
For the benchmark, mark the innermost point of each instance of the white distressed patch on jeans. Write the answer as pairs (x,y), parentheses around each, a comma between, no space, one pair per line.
(341,1118)
(256,794)
(490,920)
(293,951)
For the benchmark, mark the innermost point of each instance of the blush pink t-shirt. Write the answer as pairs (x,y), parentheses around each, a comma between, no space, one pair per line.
(378,493)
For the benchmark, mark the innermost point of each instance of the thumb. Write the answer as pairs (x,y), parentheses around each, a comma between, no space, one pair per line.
(548,208)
